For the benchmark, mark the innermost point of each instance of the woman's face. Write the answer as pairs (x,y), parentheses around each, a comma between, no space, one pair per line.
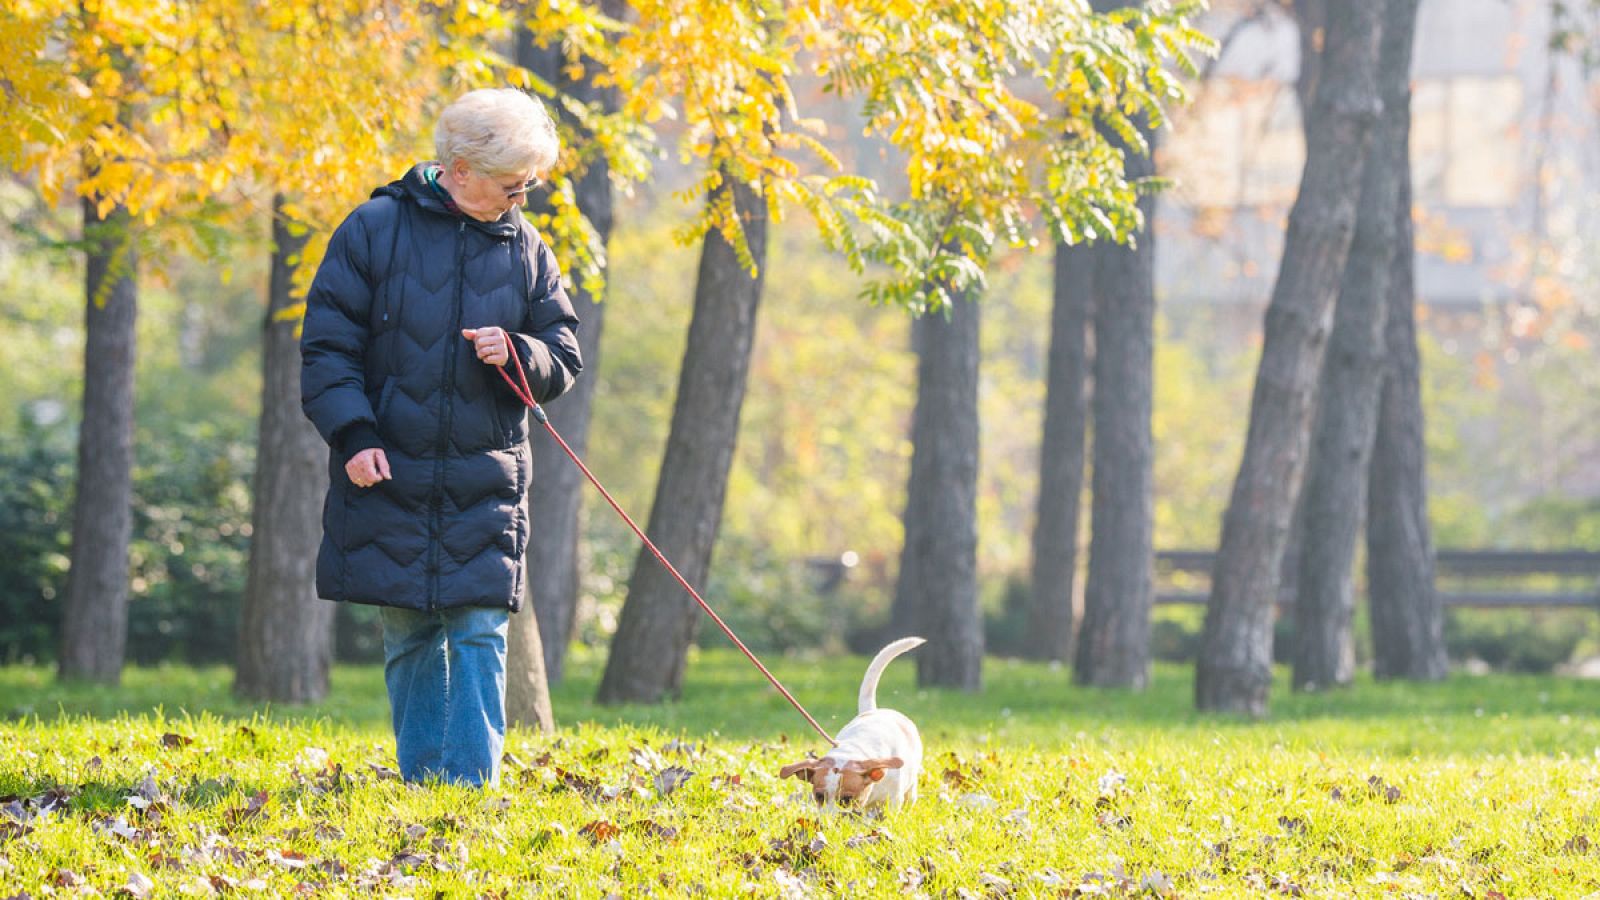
(488,197)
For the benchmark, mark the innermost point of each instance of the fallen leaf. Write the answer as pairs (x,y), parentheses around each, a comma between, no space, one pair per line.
(1283,885)
(599,831)
(311,758)
(146,794)
(288,860)
(670,779)
(645,758)
(237,816)
(331,866)
(997,885)
(1111,782)
(117,826)
(864,840)
(790,885)
(139,885)
(977,801)
(1050,878)
(405,861)
(588,787)
(383,772)
(173,741)
(655,830)
(681,748)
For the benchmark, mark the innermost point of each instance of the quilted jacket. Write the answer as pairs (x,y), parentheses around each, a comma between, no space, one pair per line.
(384,364)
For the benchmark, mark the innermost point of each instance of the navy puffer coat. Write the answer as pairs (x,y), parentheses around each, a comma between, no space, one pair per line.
(384,364)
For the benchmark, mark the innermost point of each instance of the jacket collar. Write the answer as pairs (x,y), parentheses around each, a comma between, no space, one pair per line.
(414,186)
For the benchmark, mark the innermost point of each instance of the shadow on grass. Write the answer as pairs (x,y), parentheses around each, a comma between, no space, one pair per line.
(1022,704)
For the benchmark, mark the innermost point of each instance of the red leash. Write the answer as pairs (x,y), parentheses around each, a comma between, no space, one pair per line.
(525,393)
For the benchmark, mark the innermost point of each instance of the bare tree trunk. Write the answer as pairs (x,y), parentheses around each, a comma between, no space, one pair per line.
(1114,644)
(1407,616)
(936,595)
(94,620)
(555,495)
(1311,16)
(1061,457)
(285,646)
(527,685)
(1234,672)
(659,618)
(1347,406)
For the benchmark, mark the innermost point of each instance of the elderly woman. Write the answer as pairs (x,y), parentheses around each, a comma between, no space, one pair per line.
(426,290)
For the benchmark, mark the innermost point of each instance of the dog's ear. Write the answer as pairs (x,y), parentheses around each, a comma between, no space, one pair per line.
(875,768)
(801,769)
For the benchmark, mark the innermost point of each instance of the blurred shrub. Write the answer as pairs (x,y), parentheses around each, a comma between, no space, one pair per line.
(191,545)
(188,555)
(1516,640)
(35,509)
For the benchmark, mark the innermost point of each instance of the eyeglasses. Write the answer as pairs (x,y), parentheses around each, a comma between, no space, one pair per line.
(515,191)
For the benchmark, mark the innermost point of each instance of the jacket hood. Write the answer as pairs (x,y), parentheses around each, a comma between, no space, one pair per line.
(413,186)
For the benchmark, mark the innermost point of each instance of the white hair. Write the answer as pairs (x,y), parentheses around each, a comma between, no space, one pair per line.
(497,131)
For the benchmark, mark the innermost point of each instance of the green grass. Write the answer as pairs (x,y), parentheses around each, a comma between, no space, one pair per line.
(1032,788)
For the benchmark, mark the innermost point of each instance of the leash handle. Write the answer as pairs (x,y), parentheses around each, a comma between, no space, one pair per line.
(525,394)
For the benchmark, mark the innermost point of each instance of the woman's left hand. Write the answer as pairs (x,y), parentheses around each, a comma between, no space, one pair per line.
(491,343)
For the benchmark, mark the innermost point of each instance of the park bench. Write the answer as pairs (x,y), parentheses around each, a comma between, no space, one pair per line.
(1481,579)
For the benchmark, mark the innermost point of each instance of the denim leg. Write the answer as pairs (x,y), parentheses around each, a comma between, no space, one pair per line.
(414,670)
(475,714)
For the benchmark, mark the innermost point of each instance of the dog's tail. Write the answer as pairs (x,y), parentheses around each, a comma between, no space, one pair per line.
(868,701)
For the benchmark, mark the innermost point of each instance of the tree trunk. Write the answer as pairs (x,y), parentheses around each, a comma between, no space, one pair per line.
(1234,672)
(527,683)
(1311,18)
(1407,616)
(555,496)
(936,595)
(1055,529)
(94,619)
(1335,495)
(1114,644)
(285,644)
(659,618)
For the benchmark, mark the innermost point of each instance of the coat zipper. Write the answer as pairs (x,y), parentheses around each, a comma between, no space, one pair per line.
(446,414)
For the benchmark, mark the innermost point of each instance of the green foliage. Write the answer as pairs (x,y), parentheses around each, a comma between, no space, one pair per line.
(1472,787)
(190,552)
(1532,641)
(987,161)
(188,556)
(34,514)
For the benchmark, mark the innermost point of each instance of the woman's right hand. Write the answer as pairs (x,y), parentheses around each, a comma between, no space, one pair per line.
(368,467)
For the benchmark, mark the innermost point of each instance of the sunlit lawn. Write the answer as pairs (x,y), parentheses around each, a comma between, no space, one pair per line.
(168,786)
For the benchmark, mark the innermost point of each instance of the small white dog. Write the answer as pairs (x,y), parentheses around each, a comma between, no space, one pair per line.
(877,756)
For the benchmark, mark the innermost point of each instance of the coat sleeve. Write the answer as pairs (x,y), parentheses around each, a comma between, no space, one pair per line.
(548,341)
(333,341)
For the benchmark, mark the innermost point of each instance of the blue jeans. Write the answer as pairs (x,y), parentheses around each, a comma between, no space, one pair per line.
(446,674)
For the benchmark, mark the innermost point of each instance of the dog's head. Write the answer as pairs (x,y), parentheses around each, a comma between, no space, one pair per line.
(841,783)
